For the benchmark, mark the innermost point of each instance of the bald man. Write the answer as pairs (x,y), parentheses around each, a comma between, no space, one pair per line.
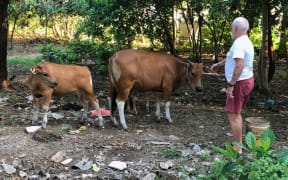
(239,76)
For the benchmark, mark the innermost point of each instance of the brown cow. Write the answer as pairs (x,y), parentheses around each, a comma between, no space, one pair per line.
(49,79)
(149,71)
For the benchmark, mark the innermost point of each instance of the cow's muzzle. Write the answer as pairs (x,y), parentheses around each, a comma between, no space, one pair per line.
(53,84)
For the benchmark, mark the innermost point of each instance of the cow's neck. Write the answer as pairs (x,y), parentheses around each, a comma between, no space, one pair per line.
(181,75)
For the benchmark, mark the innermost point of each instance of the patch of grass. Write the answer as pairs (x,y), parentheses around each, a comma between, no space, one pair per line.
(171,152)
(23,61)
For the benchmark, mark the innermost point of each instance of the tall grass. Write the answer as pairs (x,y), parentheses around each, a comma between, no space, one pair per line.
(23,62)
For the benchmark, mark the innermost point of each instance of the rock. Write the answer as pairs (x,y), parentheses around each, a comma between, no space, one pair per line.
(201,153)
(29,98)
(96,168)
(57,116)
(32,129)
(9,169)
(83,165)
(201,127)
(229,134)
(3,100)
(183,176)
(84,176)
(173,138)
(206,163)
(58,157)
(118,165)
(196,148)
(185,152)
(158,143)
(150,176)
(22,174)
(166,165)
(223,90)
(34,177)
(67,161)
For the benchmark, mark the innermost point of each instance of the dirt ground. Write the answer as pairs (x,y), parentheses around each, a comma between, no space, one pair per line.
(198,119)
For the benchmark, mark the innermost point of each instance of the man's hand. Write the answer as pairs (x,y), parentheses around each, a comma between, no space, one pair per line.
(229,92)
(215,67)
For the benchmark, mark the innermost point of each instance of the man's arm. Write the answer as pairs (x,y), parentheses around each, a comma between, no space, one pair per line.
(237,70)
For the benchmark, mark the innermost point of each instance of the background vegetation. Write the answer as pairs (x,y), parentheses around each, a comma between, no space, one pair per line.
(93,29)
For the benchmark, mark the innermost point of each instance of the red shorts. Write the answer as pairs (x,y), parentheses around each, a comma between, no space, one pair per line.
(241,92)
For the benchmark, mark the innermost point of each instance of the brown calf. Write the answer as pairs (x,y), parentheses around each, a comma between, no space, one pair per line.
(49,79)
(149,71)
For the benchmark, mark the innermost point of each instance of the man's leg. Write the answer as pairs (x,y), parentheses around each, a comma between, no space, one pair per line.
(235,120)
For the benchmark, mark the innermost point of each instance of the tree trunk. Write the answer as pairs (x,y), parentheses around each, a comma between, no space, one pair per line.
(3,40)
(271,52)
(13,30)
(264,56)
(283,39)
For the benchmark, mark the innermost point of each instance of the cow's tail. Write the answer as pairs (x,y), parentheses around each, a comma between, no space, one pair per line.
(113,90)
(113,96)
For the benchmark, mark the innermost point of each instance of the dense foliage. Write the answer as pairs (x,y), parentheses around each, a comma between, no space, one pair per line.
(258,162)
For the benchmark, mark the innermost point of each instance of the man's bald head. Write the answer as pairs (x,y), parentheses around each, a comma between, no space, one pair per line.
(240,26)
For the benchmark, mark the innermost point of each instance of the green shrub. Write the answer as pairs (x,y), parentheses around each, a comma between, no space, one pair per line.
(80,52)
(260,163)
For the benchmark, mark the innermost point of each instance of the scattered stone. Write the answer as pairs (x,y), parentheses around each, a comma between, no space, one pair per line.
(139,131)
(67,161)
(118,165)
(201,153)
(83,165)
(201,127)
(173,138)
(22,155)
(166,165)
(87,176)
(29,98)
(223,90)
(57,116)
(73,132)
(16,162)
(9,169)
(185,152)
(183,176)
(206,163)
(96,168)
(229,134)
(3,100)
(150,176)
(58,157)
(32,129)
(158,143)
(22,174)
(34,177)
(196,148)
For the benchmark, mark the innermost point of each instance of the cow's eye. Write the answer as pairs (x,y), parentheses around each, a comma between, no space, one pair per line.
(45,74)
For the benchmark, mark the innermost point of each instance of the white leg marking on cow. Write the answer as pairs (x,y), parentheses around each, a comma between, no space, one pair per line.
(157,109)
(116,71)
(84,111)
(35,115)
(45,116)
(121,105)
(167,112)
(101,123)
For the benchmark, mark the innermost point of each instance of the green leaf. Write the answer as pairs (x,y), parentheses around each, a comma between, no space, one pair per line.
(231,151)
(268,133)
(266,144)
(230,167)
(251,141)
(241,145)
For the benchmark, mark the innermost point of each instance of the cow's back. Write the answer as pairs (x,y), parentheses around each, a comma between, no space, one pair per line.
(146,69)
(70,78)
